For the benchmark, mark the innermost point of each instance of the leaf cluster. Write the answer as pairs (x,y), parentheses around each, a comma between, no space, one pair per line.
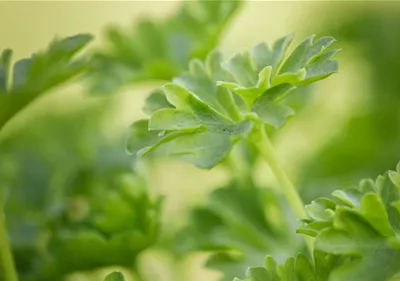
(29,78)
(107,225)
(79,188)
(208,109)
(355,230)
(239,226)
(160,50)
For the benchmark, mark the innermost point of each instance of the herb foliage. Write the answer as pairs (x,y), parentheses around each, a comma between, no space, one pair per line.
(74,202)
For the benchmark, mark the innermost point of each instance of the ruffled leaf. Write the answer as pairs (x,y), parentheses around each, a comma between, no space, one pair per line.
(238,226)
(267,108)
(254,73)
(218,101)
(160,49)
(33,76)
(299,268)
(156,101)
(356,237)
(361,223)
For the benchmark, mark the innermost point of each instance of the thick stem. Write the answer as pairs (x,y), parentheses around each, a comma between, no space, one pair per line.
(6,258)
(266,149)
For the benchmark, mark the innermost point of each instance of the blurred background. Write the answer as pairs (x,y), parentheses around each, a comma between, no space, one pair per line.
(67,177)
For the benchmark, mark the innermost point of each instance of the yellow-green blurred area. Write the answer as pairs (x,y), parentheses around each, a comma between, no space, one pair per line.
(346,127)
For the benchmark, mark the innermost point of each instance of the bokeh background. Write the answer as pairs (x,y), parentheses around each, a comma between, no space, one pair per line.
(346,127)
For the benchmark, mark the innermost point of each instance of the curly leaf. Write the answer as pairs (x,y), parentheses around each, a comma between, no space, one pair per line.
(255,73)
(160,49)
(361,223)
(239,227)
(356,230)
(306,52)
(34,76)
(156,101)
(218,101)
(201,127)
(178,134)
(271,112)
(107,225)
(299,268)
(141,140)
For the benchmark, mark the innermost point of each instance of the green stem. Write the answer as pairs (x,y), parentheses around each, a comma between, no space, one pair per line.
(6,258)
(264,145)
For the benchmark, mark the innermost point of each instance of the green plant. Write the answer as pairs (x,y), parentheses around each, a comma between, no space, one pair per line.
(20,85)
(159,50)
(72,201)
(355,231)
(219,103)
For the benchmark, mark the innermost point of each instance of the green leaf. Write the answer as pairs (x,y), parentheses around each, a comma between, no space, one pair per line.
(287,270)
(299,268)
(290,78)
(140,137)
(115,276)
(356,238)
(271,112)
(363,230)
(305,53)
(350,198)
(183,99)
(200,81)
(204,149)
(43,71)
(254,73)
(217,101)
(271,266)
(304,268)
(374,211)
(313,228)
(382,259)
(120,221)
(352,234)
(156,101)
(195,131)
(321,209)
(242,69)
(395,177)
(321,67)
(170,119)
(142,141)
(387,187)
(258,274)
(239,226)
(262,56)
(160,49)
